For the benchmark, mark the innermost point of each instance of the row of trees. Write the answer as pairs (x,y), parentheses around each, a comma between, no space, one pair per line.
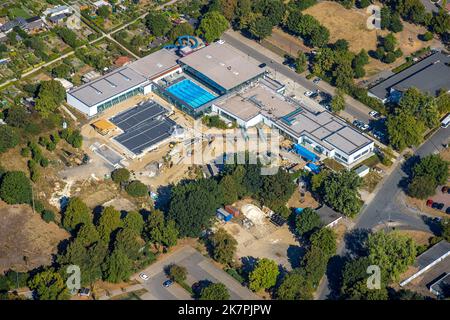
(300,283)
(109,247)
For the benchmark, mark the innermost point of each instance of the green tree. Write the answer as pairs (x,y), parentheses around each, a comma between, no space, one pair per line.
(261,28)
(434,166)
(50,96)
(49,285)
(319,37)
(160,232)
(404,130)
(136,189)
(393,252)
(341,192)
(117,267)
(422,187)
(158,23)
(134,221)
(109,222)
(223,246)
(228,189)
(301,62)
(129,242)
(104,12)
(177,273)
(307,221)
(264,276)
(325,239)
(422,106)
(212,25)
(76,213)
(181,30)
(202,197)
(15,188)
(295,286)
(215,291)
(9,138)
(120,175)
(338,101)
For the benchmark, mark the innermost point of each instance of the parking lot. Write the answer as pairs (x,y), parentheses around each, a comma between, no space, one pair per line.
(440,199)
(198,268)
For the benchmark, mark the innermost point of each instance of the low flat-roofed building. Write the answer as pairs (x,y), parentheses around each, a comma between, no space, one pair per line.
(436,257)
(428,75)
(156,65)
(441,287)
(222,67)
(102,93)
(319,130)
(328,216)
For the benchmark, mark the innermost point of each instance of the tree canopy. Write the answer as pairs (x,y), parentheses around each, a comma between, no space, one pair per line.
(212,25)
(15,188)
(264,275)
(158,23)
(307,221)
(215,291)
(223,246)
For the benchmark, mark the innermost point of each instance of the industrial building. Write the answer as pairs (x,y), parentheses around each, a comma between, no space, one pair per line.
(429,75)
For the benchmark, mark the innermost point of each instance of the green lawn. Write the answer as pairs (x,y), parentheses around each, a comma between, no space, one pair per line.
(18,12)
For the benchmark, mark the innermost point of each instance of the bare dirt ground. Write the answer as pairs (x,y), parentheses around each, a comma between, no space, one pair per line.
(351,26)
(309,201)
(26,241)
(419,237)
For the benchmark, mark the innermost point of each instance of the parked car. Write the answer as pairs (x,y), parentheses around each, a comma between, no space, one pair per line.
(167,283)
(437,205)
(374,114)
(262,65)
(444,189)
(447,211)
(316,80)
(308,93)
(429,203)
(144,277)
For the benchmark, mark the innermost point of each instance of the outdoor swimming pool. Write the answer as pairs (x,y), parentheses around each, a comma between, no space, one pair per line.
(191,93)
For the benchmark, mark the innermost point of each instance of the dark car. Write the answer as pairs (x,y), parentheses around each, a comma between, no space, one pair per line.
(447,211)
(438,206)
(262,65)
(167,283)
(444,189)
(430,203)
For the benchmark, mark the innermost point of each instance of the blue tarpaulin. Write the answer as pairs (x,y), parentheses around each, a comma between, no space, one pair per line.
(305,153)
(298,210)
(314,168)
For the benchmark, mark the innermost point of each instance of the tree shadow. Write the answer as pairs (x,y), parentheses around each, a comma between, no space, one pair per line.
(434,225)
(334,271)
(355,242)
(97,212)
(199,286)
(163,200)
(295,255)
(248,264)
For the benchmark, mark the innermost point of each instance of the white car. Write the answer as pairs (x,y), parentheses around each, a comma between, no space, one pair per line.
(374,114)
(144,277)
(308,93)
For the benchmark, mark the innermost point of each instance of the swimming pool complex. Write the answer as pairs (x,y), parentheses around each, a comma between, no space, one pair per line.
(191,93)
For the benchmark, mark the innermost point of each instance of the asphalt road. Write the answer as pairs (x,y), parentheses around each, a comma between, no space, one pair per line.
(198,268)
(388,205)
(289,73)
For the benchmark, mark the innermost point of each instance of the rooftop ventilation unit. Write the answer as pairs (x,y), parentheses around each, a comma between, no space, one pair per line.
(159,65)
(222,64)
(236,73)
(208,56)
(229,67)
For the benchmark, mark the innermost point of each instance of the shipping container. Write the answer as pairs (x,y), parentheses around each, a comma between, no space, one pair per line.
(233,210)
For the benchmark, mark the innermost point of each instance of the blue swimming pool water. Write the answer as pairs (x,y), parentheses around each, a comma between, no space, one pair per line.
(191,93)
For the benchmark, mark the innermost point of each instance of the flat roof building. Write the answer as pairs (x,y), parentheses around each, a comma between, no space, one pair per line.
(302,121)
(122,83)
(428,75)
(222,67)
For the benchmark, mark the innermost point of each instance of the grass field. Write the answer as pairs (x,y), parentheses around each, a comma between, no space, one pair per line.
(351,26)
(19,12)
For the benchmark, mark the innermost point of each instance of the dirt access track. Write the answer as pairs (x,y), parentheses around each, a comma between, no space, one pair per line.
(26,241)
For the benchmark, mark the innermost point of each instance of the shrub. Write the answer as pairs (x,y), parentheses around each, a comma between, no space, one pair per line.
(48,216)
(177,273)
(15,188)
(136,189)
(120,175)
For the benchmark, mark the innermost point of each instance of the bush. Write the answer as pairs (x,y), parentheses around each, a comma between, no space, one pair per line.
(48,216)
(9,138)
(25,152)
(177,273)
(15,188)
(44,162)
(38,206)
(136,189)
(427,36)
(120,175)
(235,275)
